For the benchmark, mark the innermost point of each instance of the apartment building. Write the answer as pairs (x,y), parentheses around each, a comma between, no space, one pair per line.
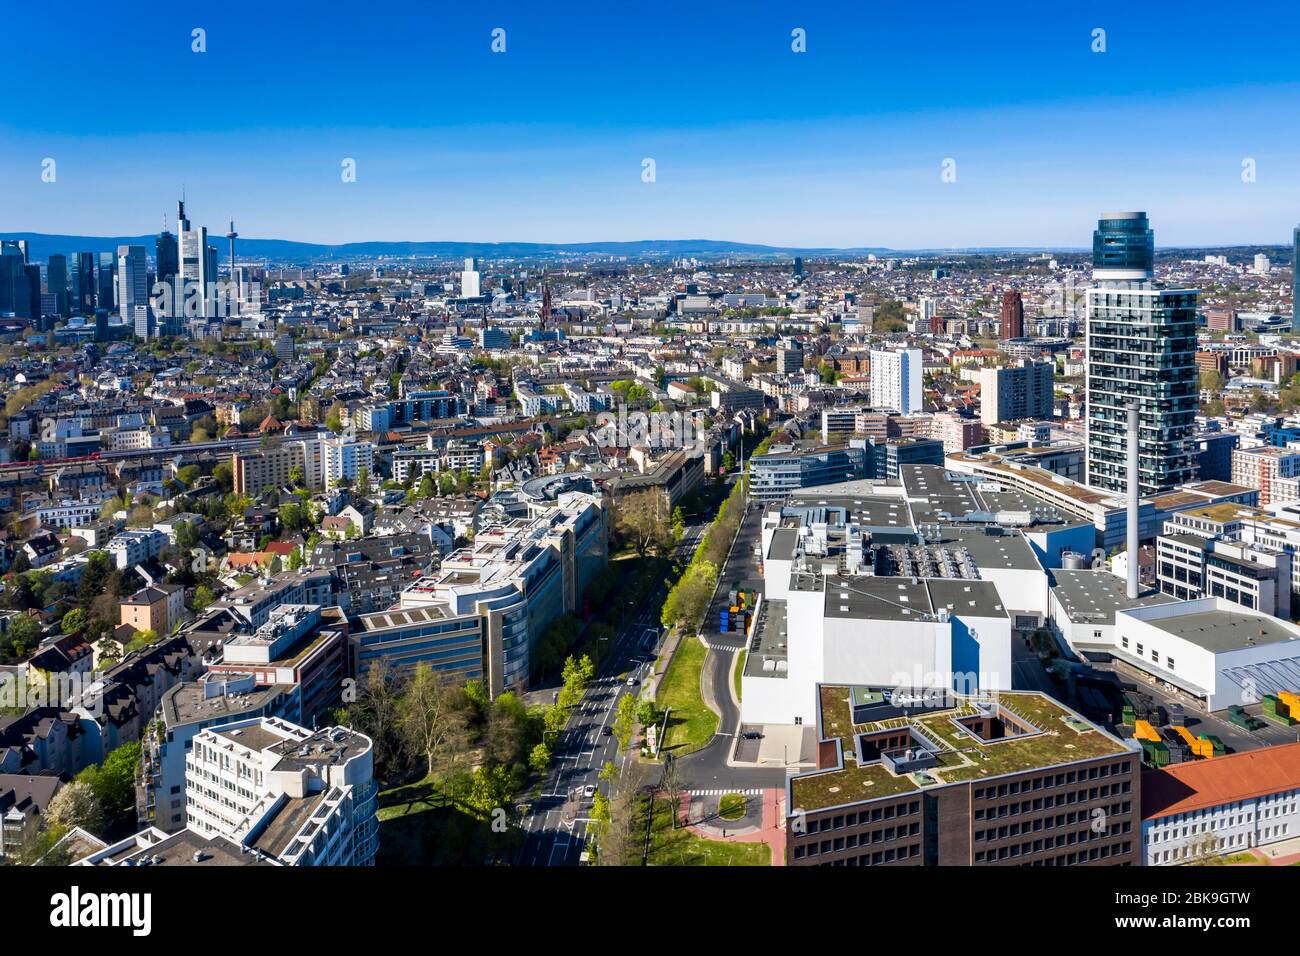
(1014,392)
(188,709)
(158,608)
(1266,468)
(301,797)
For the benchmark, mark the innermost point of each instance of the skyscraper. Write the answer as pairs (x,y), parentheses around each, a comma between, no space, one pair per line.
(104,294)
(133,290)
(1141,350)
(196,277)
(1295,280)
(82,301)
(56,282)
(166,256)
(1012,325)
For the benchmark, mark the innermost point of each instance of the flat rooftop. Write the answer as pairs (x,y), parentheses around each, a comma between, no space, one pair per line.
(1220,631)
(1059,736)
(186,704)
(768,640)
(186,848)
(1093,597)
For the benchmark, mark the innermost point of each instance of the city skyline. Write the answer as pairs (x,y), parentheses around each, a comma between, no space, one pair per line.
(823,148)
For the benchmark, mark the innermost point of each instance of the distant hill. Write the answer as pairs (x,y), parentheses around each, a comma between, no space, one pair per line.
(283,250)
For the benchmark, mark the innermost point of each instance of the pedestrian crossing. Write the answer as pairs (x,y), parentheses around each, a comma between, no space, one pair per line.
(719,793)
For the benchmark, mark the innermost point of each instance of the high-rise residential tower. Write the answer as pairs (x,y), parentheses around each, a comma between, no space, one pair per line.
(1012,325)
(896,380)
(1141,349)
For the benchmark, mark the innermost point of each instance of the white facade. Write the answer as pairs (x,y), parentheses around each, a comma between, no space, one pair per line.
(896,380)
(1234,639)
(1221,829)
(241,776)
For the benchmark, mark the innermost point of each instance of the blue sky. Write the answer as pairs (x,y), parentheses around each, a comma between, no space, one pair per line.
(838,146)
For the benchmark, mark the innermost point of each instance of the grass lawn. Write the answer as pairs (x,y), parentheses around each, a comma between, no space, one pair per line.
(691,724)
(731,806)
(740,669)
(680,847)
(418,826)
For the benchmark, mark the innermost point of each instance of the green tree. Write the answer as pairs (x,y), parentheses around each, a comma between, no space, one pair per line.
(539,759)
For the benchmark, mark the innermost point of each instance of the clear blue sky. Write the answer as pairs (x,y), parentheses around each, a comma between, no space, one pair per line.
(838,146)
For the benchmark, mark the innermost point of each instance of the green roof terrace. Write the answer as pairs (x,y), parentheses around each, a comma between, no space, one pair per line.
(1035,732)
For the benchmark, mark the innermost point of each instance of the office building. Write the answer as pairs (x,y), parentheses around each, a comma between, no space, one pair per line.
(188,709)
(896,380)
(1013,780)
(1013,392)
(1201,809)
(106,282)
(196,265)
(81,293)
(1270,469)
(133,290)
(789,357)
(1295,280)
(1141,347)
(56,283)
(787,468)
(482,614)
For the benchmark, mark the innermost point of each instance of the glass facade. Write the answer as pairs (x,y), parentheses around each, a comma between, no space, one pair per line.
(1124,242)
(1142,348)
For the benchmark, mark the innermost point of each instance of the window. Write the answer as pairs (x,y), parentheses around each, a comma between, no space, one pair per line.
(1169,662)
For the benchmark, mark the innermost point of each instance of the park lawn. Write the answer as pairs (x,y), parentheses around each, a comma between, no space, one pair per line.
(691,724)
(681,847)
(740,669)
(419,826)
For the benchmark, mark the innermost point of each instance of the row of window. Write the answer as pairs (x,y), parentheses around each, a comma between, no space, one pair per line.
(874,815)
(1048,803)
(853,840)
(1060,820)
(1047,781)
(876,858)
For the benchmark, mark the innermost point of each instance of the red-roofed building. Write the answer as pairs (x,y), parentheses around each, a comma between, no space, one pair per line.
(1220,805)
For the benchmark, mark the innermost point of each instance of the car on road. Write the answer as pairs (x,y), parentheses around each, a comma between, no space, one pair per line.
(752,735)
(589,790)
(607,731)
(631,681)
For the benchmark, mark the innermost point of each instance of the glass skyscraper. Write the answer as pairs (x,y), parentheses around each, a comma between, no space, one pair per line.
(1295,280)
(1141,349)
